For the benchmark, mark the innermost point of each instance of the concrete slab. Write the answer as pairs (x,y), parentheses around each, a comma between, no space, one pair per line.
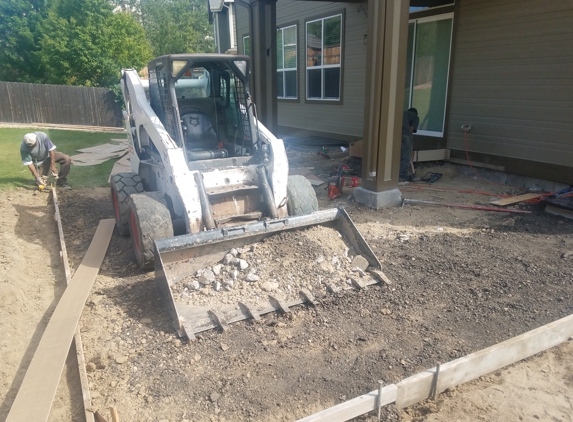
(388,198)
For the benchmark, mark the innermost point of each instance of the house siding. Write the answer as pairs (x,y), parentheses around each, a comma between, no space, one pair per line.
(341,120)
(512,80)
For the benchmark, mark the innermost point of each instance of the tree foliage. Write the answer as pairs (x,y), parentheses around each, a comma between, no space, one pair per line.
(177,26)
(74,42)
(19,39)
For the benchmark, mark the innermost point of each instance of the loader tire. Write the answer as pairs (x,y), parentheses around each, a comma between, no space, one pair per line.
(301,196)
(149,219)
(123,185)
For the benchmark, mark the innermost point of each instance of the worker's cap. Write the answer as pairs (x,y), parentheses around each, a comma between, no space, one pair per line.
(30,139)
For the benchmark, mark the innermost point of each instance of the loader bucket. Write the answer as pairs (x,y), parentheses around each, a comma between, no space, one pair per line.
(180,256)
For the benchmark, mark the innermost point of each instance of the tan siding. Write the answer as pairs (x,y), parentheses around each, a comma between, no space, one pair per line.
(347,118)
(512,79)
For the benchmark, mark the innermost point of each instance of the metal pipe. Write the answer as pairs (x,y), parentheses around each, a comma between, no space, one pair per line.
(469,207)
(204,199)
(267,192)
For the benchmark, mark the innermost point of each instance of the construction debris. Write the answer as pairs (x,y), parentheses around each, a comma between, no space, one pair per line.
(281,265)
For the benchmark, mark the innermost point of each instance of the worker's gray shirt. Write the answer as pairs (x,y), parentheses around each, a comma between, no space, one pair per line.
(40,152)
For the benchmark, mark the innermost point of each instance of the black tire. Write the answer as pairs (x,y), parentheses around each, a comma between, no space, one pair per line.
(149,219)
(301,196)
(122,186)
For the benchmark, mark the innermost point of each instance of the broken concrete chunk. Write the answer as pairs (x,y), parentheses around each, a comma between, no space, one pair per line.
(217,269)
(217,286)
(360,262)
(252,277)
(234,252)
(228,259)
(194,285)
(207,277)
(243,265)
(269,286)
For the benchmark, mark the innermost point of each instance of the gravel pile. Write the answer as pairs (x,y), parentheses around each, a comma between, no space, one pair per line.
(315,259)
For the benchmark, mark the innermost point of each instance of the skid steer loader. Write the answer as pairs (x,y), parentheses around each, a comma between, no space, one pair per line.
(205,172)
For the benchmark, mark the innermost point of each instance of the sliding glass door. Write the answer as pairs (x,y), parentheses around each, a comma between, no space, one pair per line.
(429,46)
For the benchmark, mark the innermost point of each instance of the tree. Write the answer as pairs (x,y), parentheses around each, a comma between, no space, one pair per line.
(176,26)
(19,39)
(85,43)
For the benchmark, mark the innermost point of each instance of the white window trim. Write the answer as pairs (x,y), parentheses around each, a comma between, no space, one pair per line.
(290,69)
(323,66)
(425,20)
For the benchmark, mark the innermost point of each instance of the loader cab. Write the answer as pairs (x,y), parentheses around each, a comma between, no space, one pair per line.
(203,102)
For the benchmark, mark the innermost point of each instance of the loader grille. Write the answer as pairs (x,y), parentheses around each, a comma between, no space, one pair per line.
(243,117)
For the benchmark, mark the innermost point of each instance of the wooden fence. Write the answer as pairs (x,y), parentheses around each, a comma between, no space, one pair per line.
(59,104)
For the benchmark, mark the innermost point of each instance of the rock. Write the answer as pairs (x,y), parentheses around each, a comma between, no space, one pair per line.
(96,299)
(228,259)
(235,274)
(207,277)
(145,320)
(359,262)
(214,397)
(217,269)
(113,384)
(224,347)
(386,311)
(90,367)
(194,285)
(217,286)
(120,359)
(197,357)
(243,265)
(567,254)
(269,286)
(252,277)
(319,260)
(234,252)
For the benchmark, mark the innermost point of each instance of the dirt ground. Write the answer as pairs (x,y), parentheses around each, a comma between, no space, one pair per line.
(462,280)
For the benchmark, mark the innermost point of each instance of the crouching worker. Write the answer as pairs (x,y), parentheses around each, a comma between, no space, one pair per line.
(39,154)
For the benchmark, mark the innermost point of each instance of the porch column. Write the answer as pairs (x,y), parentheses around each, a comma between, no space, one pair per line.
(263,27)
(384,101)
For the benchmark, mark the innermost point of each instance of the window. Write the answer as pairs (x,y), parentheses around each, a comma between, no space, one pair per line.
(427,68)
(246,46)
(324,58)
(286,62)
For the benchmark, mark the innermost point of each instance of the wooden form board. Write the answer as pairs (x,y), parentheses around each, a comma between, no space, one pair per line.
(77,343)
(419,387)
(355,407)
(36,394)
(515,199)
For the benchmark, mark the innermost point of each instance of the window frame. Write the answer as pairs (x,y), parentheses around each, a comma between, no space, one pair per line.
(323,17)
(296,99)
(246,37)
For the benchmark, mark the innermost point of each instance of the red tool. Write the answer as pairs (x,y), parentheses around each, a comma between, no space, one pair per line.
(336,182)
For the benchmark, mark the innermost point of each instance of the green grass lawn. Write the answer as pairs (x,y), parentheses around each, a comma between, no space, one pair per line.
(14,174)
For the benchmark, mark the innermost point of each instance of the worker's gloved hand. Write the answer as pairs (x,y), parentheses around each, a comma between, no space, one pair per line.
(54,172)
(39,181)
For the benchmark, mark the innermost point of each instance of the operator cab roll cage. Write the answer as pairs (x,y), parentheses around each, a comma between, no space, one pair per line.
(203,103)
